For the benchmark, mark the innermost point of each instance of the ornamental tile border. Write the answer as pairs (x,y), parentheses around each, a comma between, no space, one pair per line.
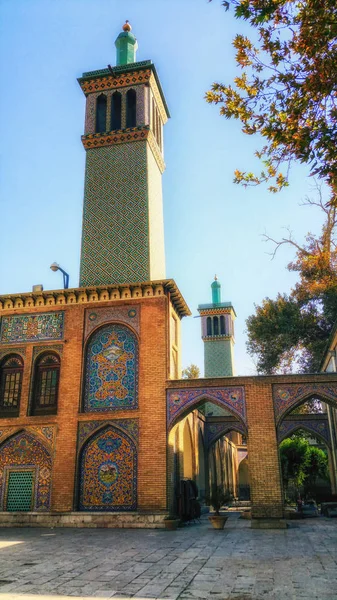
(288,396)
(216,430)
(111,82)
(95,317)
(86,429)
(228,397)
(32,327)
(317,427)
(47,348)
(46,432)
(98,140)
(12,350)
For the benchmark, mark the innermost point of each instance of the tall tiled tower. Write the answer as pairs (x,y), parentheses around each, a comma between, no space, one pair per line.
(217,326)
(123,230)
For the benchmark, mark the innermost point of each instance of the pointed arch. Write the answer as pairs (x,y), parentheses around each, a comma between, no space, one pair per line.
(215,431)
(286,397)
(318,428)
(25,473)
(108,471)
(182,401)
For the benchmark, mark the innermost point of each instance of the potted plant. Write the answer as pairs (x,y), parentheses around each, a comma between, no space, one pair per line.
(171,522)
(216,499)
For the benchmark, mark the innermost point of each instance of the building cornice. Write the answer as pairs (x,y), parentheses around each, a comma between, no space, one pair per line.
(103,293)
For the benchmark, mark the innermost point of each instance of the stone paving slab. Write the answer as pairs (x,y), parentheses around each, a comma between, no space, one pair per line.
(192,563)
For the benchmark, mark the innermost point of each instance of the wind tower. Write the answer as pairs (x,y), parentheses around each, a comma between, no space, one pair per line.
(217,327)
(123,229)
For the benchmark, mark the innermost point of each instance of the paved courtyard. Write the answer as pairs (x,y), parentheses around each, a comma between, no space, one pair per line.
(190,563)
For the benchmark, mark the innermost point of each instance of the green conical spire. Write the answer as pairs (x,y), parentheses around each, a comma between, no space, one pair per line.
(126,45)
(216,291)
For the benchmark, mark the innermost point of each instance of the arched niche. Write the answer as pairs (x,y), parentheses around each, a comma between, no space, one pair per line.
(25,474)
(108,472)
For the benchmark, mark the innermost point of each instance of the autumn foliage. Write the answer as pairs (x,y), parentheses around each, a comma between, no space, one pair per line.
(286,90)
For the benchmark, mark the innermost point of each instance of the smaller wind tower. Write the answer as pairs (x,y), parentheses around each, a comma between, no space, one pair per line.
(217,327)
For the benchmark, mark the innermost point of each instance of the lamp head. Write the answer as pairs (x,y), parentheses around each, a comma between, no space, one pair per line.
(54,267)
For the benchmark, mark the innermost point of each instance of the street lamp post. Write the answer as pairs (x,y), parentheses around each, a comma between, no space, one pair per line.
(55,267)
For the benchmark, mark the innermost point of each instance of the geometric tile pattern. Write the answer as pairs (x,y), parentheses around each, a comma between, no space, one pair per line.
(319,428)
(218,358)
(115,236)
(109,82)
(288,396)
(99,316)
(129,426)
(111,370)
(108,472)
(24,452)
(216,430)
(31,328)
(181,400)
(119,136)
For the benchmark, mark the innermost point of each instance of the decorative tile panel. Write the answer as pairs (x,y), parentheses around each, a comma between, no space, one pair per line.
(12,350)
(115,242)
(129,426)
(111,370)
(178,401)
(288,396)
(108,472)
(98,316)
(47,348)
(32,328)
(216,430)
(25,452)
(319,427)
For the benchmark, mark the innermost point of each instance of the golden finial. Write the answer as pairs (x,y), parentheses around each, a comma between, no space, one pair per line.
(215,278)
(127,26)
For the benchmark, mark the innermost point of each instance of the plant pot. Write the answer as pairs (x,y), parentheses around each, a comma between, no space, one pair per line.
(218,521)
(171,524)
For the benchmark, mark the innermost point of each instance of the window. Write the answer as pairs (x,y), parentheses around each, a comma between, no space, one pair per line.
(216,325)
(131,108)
(11,371)
(101,114)
(46,380)
(222,325)
(209,326)
(116,111)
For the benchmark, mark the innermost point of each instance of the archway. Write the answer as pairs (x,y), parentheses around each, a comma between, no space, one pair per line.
(305,448)
(202,447)
(25,474)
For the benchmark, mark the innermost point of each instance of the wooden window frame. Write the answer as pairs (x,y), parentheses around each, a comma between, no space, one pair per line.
(9,371)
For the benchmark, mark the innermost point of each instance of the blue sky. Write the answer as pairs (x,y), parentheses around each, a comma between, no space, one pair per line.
(211,225)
